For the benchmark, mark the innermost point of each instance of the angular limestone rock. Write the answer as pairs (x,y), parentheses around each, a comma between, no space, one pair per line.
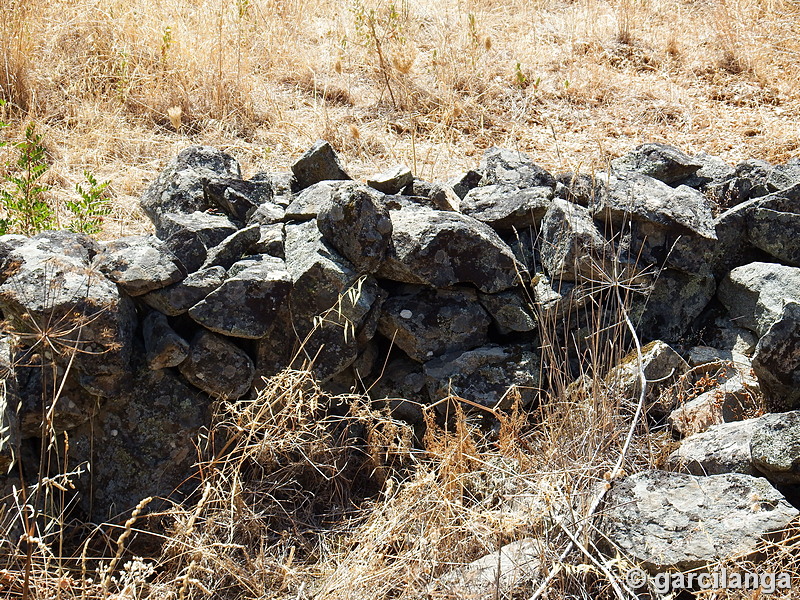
(392,181)
(775,447)
(319,163)
(138,264)
(667,520)
(723,448)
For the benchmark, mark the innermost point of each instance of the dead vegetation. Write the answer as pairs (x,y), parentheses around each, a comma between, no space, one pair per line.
(117,87)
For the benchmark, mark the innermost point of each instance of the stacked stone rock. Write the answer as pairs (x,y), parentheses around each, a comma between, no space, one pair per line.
(450,280)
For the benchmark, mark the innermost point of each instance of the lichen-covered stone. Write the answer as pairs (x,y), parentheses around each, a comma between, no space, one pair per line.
(505,206)
(319,163)
(217,366)
(659,161)
(179,297)
(776,361)
(392,181)
(775,447)
(164,348)
(190,236)
(723,448)
(138,264)
(572,247)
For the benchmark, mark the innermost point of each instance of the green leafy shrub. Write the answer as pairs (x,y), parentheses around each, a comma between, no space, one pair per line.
(88,211)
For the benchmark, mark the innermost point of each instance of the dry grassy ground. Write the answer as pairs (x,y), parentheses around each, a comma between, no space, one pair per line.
(119,86)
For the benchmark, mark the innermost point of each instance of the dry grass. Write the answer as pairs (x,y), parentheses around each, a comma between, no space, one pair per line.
(118,87)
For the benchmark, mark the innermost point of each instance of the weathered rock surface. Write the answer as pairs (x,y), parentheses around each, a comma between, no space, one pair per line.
(392,181)
(671,520)
(217,367)
(503,166)
(138,264)
(247,303)
(775,447)
(49,287)
(776,361)
(732,400)
(441,249)
(180,187)
(773,223)
(312,200)
(179,297)
(236,197)
(231,249)
(503,206)
(495,575)
(190,236)
(659,161)
(163,346)
(511,311)
(319,163)
(723,448)
(755,294)
(642,198)
(492,376)
(572,247)
(356,223)
(425,323)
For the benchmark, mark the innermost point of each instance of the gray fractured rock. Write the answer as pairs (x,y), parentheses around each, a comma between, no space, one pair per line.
(236,197)
(503,166)
(773,223)
(163,347)
(667,520)
(572,248)
(756,293)
(267,214)
(642,198)
(659,161)
(308,203)
(733,400)
(441,249)
(217,366)
(713,174)
(330,303)
(139,444)
(510,310)
(775,447)
(179,188)
(704,355)
(557,299)
(180,297)
(503,206)
(662,367)
(270,241)
(283,186)
(723,448)
(693,253)
(427,323)
(247,303)
(50,287)
(776,361)
(318,163)
(491,376)
(496,575)
(578,188)
(356,223)
(401,386)
(138,264)
(444,197)
(191,236)
(391,181)
(464,182)
(232,248)
(675,300)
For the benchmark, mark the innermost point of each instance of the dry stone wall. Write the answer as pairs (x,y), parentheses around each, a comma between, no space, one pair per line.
(450,281)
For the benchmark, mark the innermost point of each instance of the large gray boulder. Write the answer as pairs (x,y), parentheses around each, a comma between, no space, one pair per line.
(504,206)
(775,447)
(48,289)
(659,161)
(318,163)
(333,309)
(440,249)
(425,323)
(773,223)
(247,303)
(723,448)
(138,264)
(572,247)
(641,198)
(356,223)
(180,187)
(755,294)
(492,376)
(179,297)
(217,366)
(512,167)
(776,361)
(191,236)
(665,520)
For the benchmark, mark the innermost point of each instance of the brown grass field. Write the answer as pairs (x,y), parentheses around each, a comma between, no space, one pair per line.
(119,87)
